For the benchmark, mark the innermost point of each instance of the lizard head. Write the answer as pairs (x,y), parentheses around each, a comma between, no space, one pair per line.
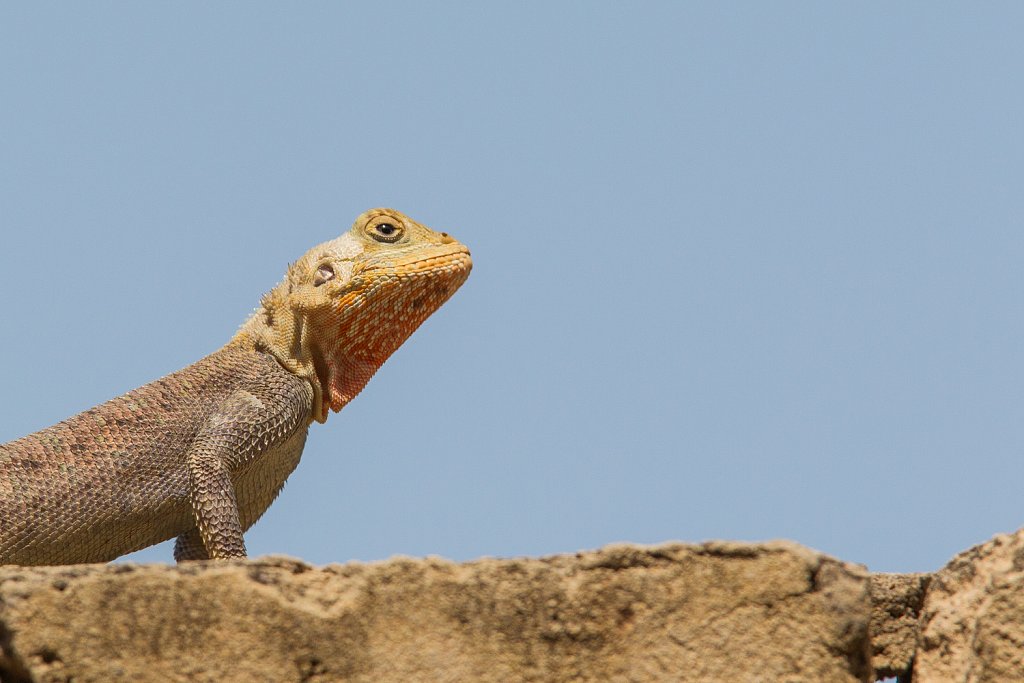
(349,303)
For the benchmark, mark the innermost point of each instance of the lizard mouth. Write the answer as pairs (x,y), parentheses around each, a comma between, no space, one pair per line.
(454,257)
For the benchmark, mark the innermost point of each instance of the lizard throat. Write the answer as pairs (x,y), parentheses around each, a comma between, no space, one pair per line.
(365,328)
(345,378)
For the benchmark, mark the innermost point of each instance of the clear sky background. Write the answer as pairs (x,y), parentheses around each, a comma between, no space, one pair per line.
(742,270)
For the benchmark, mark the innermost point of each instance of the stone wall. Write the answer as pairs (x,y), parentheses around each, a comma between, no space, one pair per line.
(771,612)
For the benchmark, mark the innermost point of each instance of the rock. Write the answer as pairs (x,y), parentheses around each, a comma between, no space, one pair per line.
(896,601)
(972,623)
(773,612)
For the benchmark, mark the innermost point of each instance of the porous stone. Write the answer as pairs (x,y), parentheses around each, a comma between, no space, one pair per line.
(773,612)
(896,601)
(972,623)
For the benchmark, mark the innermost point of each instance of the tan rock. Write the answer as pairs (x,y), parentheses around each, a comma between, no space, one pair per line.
(772,612)
(896,601)
(972,623)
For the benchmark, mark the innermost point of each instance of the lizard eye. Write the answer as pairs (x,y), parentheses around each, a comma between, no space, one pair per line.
(323,274)
(385,231)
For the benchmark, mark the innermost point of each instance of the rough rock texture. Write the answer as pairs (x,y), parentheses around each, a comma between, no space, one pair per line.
(772,612)
(972,623)
(896,609)
(714,612)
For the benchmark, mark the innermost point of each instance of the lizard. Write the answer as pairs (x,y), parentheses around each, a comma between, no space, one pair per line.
(200,454)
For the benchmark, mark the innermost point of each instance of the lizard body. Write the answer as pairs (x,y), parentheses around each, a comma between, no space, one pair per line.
(199,455)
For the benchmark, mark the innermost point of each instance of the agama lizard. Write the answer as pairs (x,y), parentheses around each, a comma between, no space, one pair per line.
(200,454)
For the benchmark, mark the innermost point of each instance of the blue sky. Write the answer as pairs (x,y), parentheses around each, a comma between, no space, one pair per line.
(742,270)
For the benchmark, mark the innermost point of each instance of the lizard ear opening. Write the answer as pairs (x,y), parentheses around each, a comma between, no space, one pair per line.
(324,273)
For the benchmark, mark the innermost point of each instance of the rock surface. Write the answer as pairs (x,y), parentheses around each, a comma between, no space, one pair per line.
(714,612)
(773,612)
(896,601)
(972,622)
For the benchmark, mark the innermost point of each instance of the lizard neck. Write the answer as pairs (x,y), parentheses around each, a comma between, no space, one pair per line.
(335,374)
(284,337)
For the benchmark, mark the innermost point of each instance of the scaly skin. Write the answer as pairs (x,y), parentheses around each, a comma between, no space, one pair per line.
(200,454)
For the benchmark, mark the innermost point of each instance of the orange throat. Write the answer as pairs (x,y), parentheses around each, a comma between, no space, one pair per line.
(358,333)
(345,377)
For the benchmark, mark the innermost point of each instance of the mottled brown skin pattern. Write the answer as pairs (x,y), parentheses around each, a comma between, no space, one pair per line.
(200,455)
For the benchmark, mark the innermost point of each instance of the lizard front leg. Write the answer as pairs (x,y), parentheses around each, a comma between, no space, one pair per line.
(247,427)
(212,495)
